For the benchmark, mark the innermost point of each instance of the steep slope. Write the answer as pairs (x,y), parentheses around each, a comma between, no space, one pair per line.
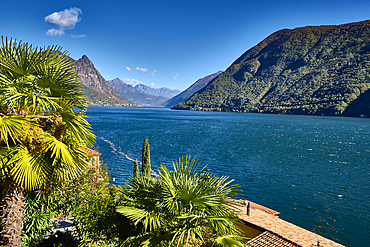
(163,91)
(309,70)
(195,87)
(135,95)
(97,89)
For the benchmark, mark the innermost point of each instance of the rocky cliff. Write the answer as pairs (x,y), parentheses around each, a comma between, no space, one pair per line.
(97,89)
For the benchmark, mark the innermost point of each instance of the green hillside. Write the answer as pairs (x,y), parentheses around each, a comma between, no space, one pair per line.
(309,70)
(96,98)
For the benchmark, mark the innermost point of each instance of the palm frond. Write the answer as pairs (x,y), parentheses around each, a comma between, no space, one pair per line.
(77,124)
(25,168)
(228,241)
(42,76)
(150,220)
(59,150)
(4,158)
(11,127)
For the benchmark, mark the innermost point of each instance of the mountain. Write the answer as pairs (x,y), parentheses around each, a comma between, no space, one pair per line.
(163,91)
(195,87)
(309,70)
(135,95)
(97,89)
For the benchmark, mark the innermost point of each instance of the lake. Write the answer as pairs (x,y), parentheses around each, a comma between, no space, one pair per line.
(314,170)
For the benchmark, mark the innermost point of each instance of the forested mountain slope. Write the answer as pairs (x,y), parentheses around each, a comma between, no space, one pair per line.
(308,70)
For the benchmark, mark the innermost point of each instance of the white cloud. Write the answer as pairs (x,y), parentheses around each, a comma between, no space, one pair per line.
(107,77)
(77,36)
(153,73)
(132,82)
(141,69)
(152,84)
(55,32)
(63,20)
(176,76)
(128,68)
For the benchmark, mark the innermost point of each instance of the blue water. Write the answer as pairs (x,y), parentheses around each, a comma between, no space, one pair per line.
(313,170)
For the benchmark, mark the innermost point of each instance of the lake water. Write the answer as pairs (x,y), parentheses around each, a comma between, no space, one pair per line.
(313,170)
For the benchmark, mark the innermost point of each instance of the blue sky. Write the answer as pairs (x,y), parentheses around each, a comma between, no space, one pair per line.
(165,43)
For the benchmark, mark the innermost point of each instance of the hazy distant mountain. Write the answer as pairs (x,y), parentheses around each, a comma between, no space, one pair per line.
(163,91)
(135,95)
(195,87)
(97,89)
(309,70)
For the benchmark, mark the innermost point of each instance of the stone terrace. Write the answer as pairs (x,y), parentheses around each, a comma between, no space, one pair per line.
(269,220)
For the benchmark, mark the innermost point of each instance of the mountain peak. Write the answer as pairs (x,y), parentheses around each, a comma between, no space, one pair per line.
(134,94)
(96,87)
(163,91)
(86,61)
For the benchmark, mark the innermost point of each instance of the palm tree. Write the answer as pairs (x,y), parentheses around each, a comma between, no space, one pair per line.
(42,126)
(184,207)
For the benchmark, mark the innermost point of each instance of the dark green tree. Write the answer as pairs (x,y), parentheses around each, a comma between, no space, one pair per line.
(136,168)
(145,169)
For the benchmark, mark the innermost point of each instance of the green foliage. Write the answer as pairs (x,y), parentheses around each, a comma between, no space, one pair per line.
(98,99)
(59,239)
(228,241)
(38,213)
(42,122)
(136,169)
(146,168)
(92,203)
(310,70)
(184,207)
(43,125)
(98,243)
(88,200)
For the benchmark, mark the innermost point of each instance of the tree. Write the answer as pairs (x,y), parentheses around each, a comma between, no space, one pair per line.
(136,169)
(184,207)
(42,126)
(145,169)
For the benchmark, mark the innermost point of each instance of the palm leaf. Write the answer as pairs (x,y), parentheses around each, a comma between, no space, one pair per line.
(149,220)
(228,241)
(11,127)
(77,125)
(25,168)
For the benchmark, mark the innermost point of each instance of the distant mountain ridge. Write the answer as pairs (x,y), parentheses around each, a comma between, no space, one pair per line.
(195,87)
(96,88)
(135,95)
(163,91)
(309,70)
